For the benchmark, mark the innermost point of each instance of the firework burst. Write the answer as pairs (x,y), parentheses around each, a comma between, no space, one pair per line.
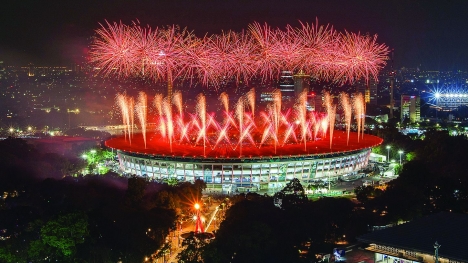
(168,53)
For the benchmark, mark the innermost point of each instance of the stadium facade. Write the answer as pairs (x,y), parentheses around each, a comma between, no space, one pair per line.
(256,173)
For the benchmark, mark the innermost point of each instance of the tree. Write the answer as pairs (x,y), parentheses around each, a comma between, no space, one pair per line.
(167,200)
(65,232)
(7,256)
(193,249)
(410,156)
(59,237)
(364,193)
(291,195)
(397,168)
(135,190)
(200,185)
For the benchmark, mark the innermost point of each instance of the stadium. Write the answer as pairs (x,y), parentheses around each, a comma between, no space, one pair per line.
(242,146)
(256,169)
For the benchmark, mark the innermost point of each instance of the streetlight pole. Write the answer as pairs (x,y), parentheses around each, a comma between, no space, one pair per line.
(198,223)
(400,152)
(388,153)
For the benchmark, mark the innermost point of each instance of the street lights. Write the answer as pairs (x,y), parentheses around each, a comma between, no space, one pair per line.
(400,152)
(198,223)
(388,152)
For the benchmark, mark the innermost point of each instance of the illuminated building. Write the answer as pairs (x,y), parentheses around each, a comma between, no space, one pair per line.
(286,85)
(410,108)
(301,82)
(368,89)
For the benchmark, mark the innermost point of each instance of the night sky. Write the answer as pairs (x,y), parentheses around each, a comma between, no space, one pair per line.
(432,35)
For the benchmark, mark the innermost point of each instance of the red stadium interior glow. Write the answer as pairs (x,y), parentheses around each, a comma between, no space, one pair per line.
(158,147)
(242,131)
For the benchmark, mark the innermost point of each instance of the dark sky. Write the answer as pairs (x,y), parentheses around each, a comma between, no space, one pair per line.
(429,34)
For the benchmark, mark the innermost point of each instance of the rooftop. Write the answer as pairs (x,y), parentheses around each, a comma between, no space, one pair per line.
(158,146)
(450,230)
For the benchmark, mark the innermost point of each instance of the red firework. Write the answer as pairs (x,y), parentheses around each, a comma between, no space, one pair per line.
(260,51)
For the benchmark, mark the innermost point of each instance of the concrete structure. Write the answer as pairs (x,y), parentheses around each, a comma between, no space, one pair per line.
(259,169)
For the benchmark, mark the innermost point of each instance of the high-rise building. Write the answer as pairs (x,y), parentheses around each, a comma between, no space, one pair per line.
(2,70)
(410,108)
(301,82)
(286,85)
(372,84)
(368,88)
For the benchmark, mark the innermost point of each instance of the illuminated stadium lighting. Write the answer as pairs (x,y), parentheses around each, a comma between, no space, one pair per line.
(449,97)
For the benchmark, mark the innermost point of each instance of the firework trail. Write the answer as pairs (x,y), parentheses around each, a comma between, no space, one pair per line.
(276,113)
(141,111)
(347,109)
(363,117)
(324,122)
(131,109)
(250,96)
(301,113)
(276,128)
(158,103)
(330,108)
(124,111)
(359,104)
(331,118)
(167,111)
(224,98)
(177,100)
(240,117)
(201,111)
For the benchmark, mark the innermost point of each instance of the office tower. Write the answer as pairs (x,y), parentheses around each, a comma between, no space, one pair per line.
(410,108)
(286,85)
(301,82)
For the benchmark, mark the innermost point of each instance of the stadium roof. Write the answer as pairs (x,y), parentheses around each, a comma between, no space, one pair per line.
(450,230)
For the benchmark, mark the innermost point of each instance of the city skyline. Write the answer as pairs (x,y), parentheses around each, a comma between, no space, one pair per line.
(430,35)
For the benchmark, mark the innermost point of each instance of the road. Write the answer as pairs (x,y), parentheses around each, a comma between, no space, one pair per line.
(188,226)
